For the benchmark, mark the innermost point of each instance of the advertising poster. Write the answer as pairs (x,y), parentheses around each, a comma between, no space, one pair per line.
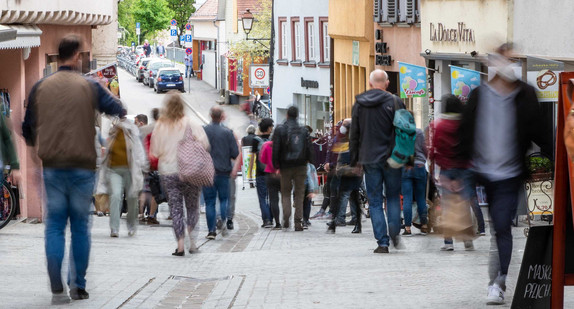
(248,174)
(108,78)
(463,81)
(543,75)
(413,80)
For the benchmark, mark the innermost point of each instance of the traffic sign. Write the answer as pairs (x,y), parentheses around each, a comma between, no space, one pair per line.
(268,90)
(188,26)
(173,32)
(258,77)
(181,39)
(188,50)
(138,25)
(173,22)
(188,40)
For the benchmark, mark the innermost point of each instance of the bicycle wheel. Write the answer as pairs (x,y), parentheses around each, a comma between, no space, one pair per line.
(7,205)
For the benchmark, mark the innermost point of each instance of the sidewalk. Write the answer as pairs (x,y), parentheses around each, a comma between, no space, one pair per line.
(256,268)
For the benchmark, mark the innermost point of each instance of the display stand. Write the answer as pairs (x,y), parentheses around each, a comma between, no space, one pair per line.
(562,274)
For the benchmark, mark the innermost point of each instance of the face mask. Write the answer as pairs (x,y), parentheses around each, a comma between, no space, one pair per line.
(343,130)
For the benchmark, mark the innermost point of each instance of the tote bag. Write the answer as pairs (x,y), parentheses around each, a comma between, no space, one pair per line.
(194,162)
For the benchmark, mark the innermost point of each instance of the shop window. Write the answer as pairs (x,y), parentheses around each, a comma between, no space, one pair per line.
(309,39)
(295,39)
(324,40)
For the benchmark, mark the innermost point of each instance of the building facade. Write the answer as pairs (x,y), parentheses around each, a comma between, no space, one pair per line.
(302,62)
(33,54)
(206,22)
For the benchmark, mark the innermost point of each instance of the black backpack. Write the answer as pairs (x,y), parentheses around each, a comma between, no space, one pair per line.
(297,139)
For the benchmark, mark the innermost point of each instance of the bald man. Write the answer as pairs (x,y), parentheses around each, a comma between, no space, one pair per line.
(371,143)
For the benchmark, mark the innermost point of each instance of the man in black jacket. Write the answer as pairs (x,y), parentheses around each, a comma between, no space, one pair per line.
(371,143)
(291,153)
(500,122)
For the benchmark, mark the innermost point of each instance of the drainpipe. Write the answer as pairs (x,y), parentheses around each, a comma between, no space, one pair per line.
(271,55)
(216,52)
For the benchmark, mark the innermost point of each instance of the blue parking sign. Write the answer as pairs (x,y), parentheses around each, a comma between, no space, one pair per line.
(138,25)
(188,37)
(173,32)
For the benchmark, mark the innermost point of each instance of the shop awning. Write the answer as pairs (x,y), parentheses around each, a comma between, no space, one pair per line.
(7,33)
(26,36)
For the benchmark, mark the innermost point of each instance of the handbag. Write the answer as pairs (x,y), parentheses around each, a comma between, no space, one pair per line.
(194,162)
(345,170)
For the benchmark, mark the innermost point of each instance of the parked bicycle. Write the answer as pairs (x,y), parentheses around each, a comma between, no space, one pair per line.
(8,202)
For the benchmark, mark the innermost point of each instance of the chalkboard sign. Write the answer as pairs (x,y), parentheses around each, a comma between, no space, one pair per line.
(534,286)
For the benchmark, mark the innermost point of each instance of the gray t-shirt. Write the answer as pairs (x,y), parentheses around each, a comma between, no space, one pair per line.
(496,149)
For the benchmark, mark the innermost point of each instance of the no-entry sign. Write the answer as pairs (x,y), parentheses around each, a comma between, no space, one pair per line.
(188,51)
(173,22)
(188,26)
(258,75)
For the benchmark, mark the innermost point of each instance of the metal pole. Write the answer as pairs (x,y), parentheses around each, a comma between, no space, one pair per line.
(138,39)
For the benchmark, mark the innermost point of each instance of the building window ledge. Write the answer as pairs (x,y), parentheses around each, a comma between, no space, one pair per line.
(324,64)
(310,64)
(296,63)
(282,62)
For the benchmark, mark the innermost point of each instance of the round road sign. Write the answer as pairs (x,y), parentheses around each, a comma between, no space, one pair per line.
(268,90)
(188,26)
(259,73)
(188,50)
(173,22)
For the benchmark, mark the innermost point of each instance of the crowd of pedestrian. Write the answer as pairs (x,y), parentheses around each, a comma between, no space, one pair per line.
(140,166)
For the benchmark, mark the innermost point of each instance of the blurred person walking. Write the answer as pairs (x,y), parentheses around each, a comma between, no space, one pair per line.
(348,178)
(188,60)
(291,153)
(59,121)
(223,150)
(414,183)
(499,124)
(265,129)
(371,143)
(148,203)
(272,181)
(121,174)
(169,130)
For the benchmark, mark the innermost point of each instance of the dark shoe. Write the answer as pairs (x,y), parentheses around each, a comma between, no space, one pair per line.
(398,243)
(277,226)
(78,294)
(177,253)
(210,235)
(308,223)
(298,229)
(285,224)
(407,233)
(152,221)
(358,228)
(305,226)
(339,223)
(381,249)
(331,229)
(351,222)
(230,224)
(60,298)
(268,224)
(417,225)
(424,230)
(219,224)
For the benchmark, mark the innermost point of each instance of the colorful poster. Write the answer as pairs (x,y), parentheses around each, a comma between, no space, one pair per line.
(543,75)
(108,78)
(463,81)
(413,80)
(249,174)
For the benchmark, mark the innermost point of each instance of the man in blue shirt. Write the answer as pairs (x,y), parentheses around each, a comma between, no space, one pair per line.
(223,150)
(188,65)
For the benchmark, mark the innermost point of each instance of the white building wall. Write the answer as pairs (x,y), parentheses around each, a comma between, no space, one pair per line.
(209,67)
(287,79)
(204,30)
(544,28)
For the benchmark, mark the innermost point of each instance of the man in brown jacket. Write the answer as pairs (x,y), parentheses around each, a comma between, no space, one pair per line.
(59,121)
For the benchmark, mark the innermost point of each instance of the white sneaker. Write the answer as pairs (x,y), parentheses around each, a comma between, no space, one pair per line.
(224,230)
(495,295)
(447,247)
(468,245)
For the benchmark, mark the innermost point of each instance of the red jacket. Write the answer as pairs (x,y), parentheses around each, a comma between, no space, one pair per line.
(445,143)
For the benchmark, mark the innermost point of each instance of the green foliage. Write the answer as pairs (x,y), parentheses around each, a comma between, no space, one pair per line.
(182,10)
(153,15)
(126,20)
(540,165)
(252,51)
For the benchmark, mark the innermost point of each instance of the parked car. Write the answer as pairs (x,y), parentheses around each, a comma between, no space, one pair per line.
(168,78)
(151,70)
(141,64)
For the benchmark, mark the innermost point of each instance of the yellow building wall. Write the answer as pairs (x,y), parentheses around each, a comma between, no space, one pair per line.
(350,20)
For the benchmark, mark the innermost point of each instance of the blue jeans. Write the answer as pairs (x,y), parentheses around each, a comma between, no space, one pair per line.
(263,200)
(414,182)
(220,188)
(188,70)
(375,175)
(69,196)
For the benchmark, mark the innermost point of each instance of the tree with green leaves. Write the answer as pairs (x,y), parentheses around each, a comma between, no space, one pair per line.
(126,20)
(153,15)
(182,10)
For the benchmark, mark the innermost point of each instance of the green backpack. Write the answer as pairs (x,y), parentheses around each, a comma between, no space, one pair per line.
(405,135)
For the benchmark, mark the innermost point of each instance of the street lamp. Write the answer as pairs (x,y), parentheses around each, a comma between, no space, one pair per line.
(247,22)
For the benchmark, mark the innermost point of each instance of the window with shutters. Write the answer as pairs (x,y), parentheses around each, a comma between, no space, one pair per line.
(390,11)
(325,40)
(396,11)
(310,37)
(377,10)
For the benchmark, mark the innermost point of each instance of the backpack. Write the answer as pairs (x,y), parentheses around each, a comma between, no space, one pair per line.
(296,150)
(405,135)
(260,142)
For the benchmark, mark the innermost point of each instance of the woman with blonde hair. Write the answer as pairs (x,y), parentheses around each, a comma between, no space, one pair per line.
(168,131)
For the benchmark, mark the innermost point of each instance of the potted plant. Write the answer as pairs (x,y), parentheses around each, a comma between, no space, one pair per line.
(540,168)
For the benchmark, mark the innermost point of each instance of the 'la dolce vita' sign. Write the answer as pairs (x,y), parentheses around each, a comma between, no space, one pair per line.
(440,33)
